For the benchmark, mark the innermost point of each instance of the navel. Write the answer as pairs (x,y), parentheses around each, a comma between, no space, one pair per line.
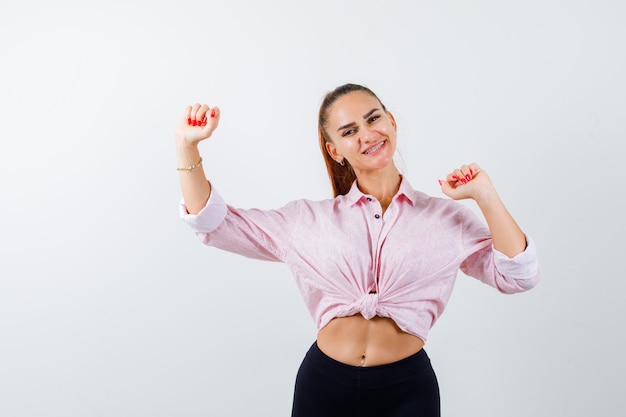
(362,360)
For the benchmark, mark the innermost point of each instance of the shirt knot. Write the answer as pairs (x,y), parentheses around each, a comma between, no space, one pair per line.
(367,305)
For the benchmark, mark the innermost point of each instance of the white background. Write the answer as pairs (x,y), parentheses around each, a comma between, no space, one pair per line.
(110,307)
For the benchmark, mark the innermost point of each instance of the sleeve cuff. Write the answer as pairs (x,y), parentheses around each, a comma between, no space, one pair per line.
(209,218)
(524,265)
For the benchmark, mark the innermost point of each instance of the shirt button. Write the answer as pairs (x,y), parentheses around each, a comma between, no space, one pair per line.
(377,216)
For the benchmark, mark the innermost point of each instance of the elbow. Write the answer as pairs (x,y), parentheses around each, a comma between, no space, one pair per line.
(510,285)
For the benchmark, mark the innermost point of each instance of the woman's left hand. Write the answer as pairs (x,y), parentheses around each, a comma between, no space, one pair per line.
(468,181)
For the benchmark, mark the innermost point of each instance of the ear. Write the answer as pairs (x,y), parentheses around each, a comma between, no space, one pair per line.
(332,151)
(393,120)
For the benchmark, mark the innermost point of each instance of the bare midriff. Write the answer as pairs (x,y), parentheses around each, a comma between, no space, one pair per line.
(356,341)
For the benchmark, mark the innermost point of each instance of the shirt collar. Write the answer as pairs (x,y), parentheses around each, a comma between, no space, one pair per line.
(405,191)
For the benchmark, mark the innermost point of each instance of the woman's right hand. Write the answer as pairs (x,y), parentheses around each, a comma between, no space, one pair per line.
(198,123)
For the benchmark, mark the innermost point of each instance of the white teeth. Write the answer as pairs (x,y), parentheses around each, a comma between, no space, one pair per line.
(375,148)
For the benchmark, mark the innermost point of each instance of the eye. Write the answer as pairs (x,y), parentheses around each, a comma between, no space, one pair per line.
(348,132)
(374,118)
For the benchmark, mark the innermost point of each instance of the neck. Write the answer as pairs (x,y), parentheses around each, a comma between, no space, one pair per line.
(381,184)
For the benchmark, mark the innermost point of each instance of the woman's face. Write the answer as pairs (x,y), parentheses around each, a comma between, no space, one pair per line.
(361,132)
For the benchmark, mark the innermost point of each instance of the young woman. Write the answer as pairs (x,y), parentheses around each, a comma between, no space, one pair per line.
(376,264)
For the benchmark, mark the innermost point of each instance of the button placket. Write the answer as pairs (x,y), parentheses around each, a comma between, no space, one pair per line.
(385,227)
(371,199)
(376,228)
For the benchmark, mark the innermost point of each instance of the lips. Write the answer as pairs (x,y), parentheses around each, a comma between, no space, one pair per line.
(374,148)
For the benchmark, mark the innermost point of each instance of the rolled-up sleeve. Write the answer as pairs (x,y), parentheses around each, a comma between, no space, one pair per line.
(209,218)
(524,265)
(508,275)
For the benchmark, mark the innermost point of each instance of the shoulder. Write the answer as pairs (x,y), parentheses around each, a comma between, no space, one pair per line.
(426,202)
(304,205)
(331,210)
(439,205)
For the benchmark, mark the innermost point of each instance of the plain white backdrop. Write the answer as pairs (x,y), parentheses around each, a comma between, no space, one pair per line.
(110,307)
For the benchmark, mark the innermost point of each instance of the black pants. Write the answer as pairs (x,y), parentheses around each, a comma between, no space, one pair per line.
(328,388)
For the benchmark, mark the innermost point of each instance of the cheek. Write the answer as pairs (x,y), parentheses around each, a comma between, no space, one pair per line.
(344,145)
(352,147)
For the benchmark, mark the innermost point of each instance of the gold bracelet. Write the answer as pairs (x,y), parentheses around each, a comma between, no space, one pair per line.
(191,167)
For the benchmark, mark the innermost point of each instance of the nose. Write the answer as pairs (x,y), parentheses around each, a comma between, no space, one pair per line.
(368,135)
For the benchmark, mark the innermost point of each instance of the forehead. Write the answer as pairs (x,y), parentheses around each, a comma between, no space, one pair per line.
(351,107)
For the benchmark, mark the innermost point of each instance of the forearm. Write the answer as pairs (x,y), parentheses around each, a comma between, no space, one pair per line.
(507,236)
(197,124)
(193,183)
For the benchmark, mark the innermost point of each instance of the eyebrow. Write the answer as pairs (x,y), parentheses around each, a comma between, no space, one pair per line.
(365,116)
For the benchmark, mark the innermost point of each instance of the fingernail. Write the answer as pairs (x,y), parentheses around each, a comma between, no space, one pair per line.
(471,172)
(440,183)
(194,123)
(212,112)
(463,181)
(468,177)
(189,121)
(204,120)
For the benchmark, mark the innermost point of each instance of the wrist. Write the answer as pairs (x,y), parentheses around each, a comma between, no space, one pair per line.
(187,155)
(486,197)
(183,143)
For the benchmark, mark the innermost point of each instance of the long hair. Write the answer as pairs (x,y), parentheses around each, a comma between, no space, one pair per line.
(341,176)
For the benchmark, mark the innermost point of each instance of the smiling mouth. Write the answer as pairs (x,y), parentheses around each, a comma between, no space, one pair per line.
(375,148)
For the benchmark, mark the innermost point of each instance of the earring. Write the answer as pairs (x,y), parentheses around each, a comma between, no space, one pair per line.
(342,163)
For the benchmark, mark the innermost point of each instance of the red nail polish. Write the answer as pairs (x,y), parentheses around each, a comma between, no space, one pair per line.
(463,181)
(194,123)
(204,120)
(189,121)
(454,177)
(440,183)
(471,172)
(468,177)
(212,113)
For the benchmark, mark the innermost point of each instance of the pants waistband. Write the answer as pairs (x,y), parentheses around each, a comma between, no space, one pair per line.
(369,377)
